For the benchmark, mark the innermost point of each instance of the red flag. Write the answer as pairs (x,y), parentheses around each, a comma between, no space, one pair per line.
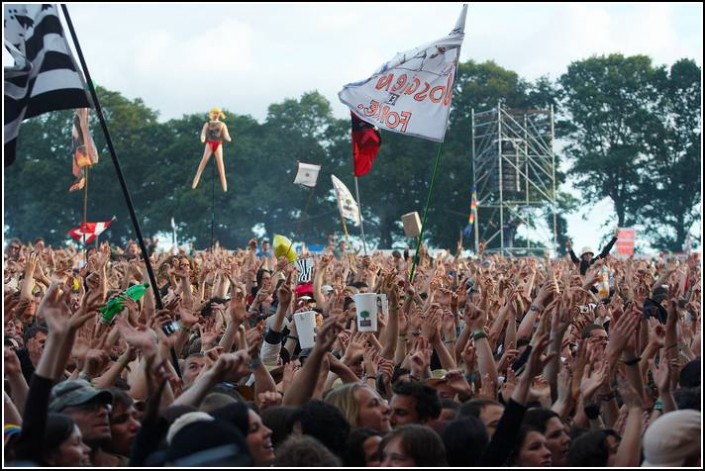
(366,140)
(90,229)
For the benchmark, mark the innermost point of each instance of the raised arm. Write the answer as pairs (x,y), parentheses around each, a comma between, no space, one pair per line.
(304,384)
(569,246)
(609,245)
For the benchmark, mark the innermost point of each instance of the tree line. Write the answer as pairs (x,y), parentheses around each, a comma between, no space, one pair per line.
(631,130)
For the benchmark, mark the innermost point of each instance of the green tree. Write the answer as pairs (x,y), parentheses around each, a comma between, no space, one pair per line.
(36,187)
(297,130)
(43,167)
(610,102)
(673,191)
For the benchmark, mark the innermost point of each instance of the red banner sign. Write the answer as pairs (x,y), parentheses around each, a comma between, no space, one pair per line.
(625,242)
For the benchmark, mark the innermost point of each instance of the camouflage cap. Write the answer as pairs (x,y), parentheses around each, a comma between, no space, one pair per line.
(76,393)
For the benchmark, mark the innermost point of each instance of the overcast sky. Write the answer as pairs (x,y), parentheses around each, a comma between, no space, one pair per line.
(187,58)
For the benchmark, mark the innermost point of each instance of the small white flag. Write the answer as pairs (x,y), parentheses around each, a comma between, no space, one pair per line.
(307,175)
(346,203)
(411,93)
(173,224)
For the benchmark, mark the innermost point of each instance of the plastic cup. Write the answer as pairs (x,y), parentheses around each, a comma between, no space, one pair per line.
(306,328)
(366,307)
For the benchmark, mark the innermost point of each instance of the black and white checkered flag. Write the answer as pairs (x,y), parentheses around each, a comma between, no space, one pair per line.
(44,76)
(305,268)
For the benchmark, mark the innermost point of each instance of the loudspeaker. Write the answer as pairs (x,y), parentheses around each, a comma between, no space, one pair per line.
(412,224)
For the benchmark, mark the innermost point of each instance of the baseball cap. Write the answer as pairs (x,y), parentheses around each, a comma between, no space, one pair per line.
(76,392)
(672,438)
(326,289)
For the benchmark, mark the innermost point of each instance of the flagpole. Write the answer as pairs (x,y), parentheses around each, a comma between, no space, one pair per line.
(173,235)
(345,229)
(298,224)
(308,202)
(476,229)
(212,205)
(121,177)
(359,207)
(116,162)
(425,214)
(438,159)
(85,215)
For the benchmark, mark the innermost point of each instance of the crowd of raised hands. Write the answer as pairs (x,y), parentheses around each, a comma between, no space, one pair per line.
(577,380)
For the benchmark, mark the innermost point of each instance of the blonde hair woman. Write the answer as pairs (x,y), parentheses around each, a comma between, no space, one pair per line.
(212,135)
(361,406)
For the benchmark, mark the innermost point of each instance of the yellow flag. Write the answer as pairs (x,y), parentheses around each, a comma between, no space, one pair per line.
(284,247)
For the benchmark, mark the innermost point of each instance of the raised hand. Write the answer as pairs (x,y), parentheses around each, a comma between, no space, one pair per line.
(469,356)
(328,334)
(355,348)
(509,385)
(475,318)
(593,380)
(630,396)
(31,266)
(254,342)
(565,378)
(620,334)
(141,338)
(11,362)
(456,380)
(231,366)
(103,255)
(55,309)
(268,399)
(488,389)
(662,372)
(385,368)
(657,332)
(284,293)
(431,324)
(535,364)
(282,263)
(188,316)
(420,357)
(209,334)
(508,356)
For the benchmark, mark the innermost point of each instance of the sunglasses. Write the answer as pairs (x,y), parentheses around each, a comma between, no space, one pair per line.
(94,407)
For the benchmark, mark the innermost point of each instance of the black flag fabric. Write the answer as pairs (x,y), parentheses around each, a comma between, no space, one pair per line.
(44,76)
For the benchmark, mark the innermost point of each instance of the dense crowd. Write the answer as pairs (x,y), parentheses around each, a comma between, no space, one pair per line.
(487,361)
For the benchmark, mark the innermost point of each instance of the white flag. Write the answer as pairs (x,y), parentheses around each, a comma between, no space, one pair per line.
(307,174)
(346,203)
(411,94)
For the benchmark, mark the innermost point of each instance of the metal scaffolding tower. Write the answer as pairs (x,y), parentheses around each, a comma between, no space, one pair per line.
(514,170)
